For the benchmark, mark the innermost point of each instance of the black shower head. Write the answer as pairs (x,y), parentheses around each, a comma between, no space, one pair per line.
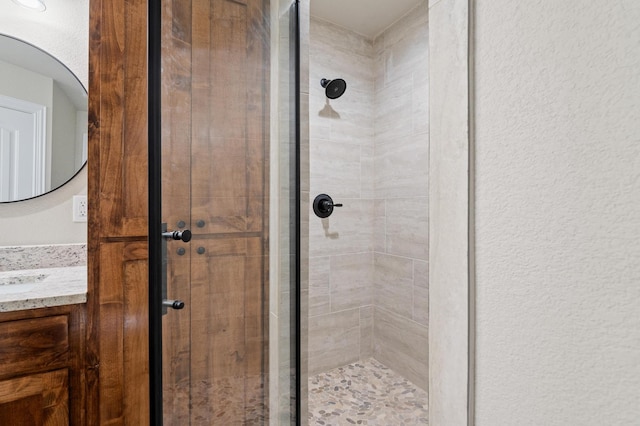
(334,88)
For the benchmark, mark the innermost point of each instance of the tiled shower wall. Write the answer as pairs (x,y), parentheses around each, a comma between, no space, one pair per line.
(401,146)
(341,164)
(369,151)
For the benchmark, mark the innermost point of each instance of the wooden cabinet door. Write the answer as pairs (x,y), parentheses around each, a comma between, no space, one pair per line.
(35,400)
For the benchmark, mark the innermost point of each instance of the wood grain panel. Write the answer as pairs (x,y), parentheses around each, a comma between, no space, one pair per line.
(117,377)
(26,410)
(34,345)
(230,115)
(176,113)
(123,310)
(94,228)
(37,399)
(75,315)
(176,180)
(176,336)
(228,337)
(77,367)
(229,147)
(118,117)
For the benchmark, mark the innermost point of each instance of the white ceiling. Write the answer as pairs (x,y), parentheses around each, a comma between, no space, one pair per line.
(366,17)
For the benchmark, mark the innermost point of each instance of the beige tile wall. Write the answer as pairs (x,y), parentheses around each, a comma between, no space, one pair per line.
(401,238)
(341,163)
(368,286)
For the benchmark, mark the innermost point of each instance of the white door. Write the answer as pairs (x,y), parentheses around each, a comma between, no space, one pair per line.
(22,149)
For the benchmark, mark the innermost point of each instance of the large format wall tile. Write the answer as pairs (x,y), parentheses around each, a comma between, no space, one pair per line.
(401,179)
(400,169)
(366,332)
(351,281)
(402,345)
(335,169)
(420,105)
(407,227)
(379,226)
(393,111)
(421,292)
(394,284)
(319,294)
(334,340)
(353,119)
(348,230)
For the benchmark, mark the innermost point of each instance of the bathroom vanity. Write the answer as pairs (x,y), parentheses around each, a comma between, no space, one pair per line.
(42,334)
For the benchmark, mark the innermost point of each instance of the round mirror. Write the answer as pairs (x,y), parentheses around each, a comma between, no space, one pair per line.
(43,122)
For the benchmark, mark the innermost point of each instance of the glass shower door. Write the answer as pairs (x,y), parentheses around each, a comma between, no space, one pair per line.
(221,181)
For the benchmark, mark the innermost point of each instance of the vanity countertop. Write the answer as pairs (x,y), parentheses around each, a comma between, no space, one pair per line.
(39,288)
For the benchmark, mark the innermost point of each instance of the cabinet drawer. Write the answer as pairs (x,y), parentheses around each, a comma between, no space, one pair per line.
(35,400)
(34,345)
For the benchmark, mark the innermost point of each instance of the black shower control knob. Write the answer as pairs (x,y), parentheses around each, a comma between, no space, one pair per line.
(327,205)
(323,206)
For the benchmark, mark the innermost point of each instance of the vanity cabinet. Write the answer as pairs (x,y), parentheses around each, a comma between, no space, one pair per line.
(41,366)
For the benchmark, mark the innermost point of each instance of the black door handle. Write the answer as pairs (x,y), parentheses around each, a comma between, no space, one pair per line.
(173,304)
(178,235)
(185,236)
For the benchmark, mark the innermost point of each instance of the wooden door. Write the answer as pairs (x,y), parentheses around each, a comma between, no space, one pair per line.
(215,145)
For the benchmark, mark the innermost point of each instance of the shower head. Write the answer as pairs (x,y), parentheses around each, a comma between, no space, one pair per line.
(334,88)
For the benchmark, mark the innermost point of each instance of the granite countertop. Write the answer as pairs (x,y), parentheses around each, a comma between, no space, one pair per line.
(38,288)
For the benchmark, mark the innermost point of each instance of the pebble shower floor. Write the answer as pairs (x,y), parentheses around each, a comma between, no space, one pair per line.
(365,393)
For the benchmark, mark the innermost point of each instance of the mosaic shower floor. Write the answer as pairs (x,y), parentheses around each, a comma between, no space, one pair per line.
(365,393)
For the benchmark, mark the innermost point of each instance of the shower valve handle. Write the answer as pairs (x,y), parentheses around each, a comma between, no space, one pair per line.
(328,204)
(323,206)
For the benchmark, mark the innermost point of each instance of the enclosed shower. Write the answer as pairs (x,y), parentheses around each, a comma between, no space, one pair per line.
(368,259)
(302,178)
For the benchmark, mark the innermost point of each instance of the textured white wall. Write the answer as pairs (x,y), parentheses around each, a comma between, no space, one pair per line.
(63,31)
(558,212)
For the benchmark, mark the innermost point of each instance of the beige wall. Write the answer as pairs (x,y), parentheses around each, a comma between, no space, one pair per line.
(558,212)
(21,83)
(63,31)
(401,229)
(63,157)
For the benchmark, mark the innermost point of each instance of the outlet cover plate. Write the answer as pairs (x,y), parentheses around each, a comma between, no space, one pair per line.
(80,208)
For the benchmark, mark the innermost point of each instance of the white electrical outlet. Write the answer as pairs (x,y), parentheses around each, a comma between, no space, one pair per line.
(80,208)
